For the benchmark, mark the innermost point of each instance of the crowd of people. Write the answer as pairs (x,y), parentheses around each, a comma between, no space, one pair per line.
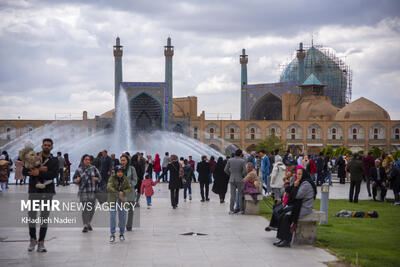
(291,180)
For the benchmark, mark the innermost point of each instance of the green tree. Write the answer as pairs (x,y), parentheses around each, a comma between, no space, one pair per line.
(342,151)
(376,152)
(396,154)
(271,143)
(328,150)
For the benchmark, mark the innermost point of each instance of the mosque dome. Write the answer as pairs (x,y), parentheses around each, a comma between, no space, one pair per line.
(330,70)
(316,108)
(362,110)
(108,115)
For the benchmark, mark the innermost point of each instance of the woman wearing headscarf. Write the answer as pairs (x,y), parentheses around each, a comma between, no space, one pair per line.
(341,163)
(221,180)
(175,181)
(87,177)
(130,173)
(301,201)
(157,166)
(67,170)
(139,173)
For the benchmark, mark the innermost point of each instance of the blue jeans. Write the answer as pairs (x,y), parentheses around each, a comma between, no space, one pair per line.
(186,189)
(329,177)
(121,220)
(157,175)
(265,178)
(148,200)
(312,175)
(237,201)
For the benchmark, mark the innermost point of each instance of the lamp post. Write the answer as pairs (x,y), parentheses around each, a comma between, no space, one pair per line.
(324,202)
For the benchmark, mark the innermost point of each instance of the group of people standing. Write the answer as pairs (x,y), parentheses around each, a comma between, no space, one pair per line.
(120,180)
(382,173)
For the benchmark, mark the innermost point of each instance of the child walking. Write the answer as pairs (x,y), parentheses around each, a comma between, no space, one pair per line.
(147,189)
(118,188)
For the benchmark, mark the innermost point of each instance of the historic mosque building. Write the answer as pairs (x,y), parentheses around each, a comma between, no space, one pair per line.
(309,108)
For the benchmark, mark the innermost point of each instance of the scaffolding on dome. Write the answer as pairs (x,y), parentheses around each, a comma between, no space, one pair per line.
(328,68)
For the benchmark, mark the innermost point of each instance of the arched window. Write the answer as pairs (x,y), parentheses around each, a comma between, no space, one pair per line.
(252,130)
(273,131)
(334,134)
(293,131)
(376,131)
(195,130)
(232,133)
(211,133)
(354,134)
(313,133)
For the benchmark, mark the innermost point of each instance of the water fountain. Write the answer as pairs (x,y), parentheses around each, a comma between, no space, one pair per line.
(120,140)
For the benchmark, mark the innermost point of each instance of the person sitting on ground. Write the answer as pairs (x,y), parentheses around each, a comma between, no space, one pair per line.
(302,196)
(356,214)
(118,188)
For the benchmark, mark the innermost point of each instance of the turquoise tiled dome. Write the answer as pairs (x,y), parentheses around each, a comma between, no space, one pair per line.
(326,70)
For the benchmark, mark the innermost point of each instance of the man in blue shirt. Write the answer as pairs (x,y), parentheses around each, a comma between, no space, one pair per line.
(265,168)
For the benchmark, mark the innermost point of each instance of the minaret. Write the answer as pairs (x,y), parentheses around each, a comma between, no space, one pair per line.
(169,53)
(118,70)
(301,54)
(243,63)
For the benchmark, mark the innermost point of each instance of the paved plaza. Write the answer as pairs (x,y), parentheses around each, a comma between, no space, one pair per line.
(230,240)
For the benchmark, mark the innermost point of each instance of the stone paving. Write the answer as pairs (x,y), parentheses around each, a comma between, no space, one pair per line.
(231,240)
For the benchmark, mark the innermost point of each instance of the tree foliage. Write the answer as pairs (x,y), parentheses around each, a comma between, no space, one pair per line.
(376,152)
(271,143)
(342,151)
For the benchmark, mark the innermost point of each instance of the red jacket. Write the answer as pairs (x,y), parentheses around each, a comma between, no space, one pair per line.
(212,165)
(156,162)
(368,162)
(313,166)
(147,187)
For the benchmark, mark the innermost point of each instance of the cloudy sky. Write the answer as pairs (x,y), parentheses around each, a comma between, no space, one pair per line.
(56,56)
